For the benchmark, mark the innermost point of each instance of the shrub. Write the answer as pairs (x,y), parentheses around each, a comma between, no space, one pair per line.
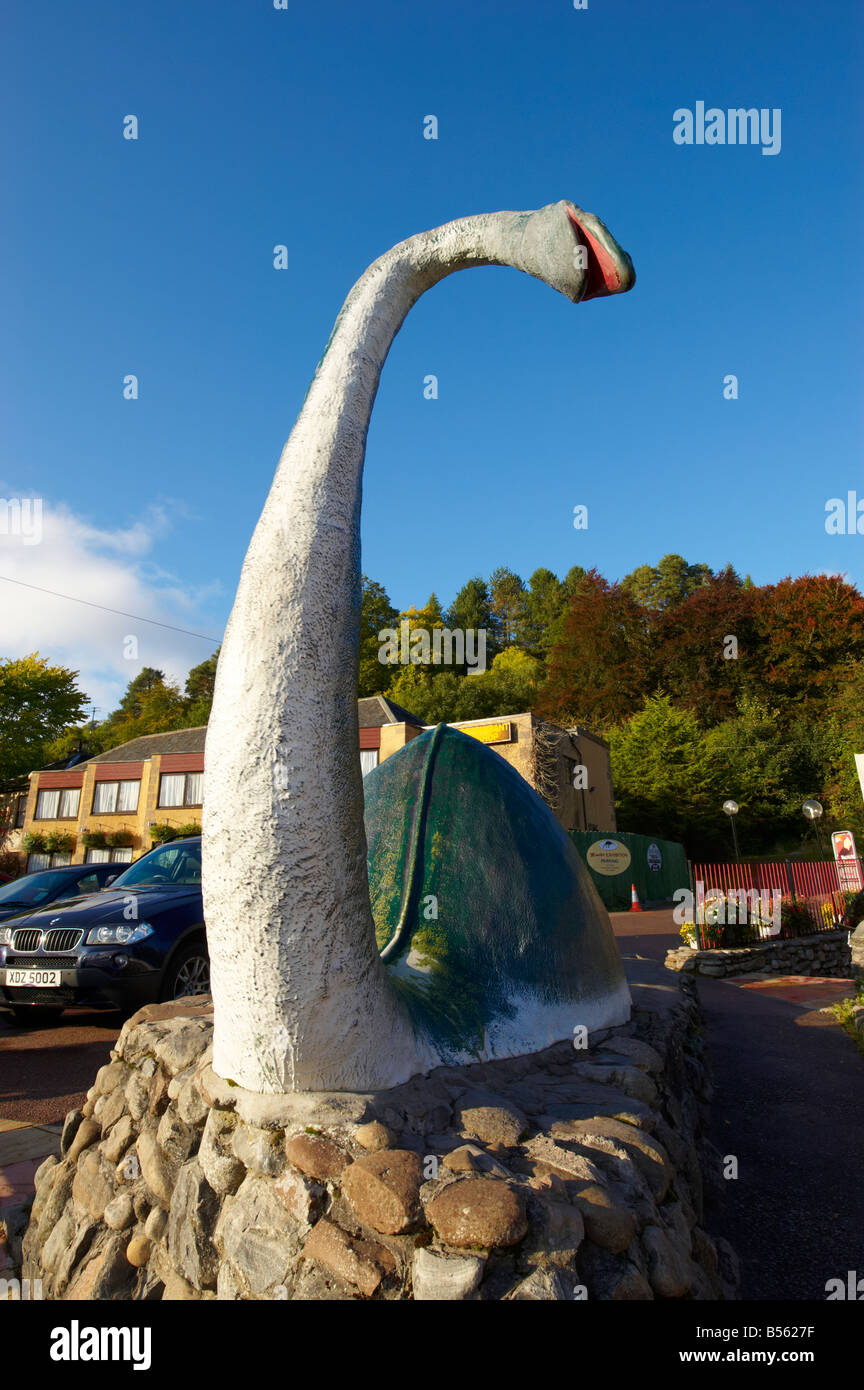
(121,839)
(60,842)
(795,918)
(162,832)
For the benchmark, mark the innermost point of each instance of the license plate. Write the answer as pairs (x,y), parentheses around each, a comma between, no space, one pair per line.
(33,978)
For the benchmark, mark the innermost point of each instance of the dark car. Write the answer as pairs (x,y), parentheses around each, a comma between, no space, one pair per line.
(140,941)
(33,891)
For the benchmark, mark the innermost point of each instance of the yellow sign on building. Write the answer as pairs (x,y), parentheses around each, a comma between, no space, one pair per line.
(489,733)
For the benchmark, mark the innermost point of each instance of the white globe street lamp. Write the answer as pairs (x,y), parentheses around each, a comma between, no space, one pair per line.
(731,809)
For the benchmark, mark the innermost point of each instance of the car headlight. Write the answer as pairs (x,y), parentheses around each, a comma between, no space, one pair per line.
(123,934)
(5,936)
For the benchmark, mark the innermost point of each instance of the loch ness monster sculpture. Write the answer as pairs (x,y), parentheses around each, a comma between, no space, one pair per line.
(302,997)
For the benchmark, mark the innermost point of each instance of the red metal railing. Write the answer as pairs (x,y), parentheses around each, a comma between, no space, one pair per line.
(818,889)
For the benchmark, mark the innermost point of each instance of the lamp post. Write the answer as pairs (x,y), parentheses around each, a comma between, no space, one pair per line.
(731,809)
(813,810)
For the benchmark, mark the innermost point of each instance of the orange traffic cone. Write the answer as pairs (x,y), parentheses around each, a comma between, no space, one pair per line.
(635,905)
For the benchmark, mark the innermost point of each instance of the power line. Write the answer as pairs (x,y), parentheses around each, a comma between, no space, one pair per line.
(118,611)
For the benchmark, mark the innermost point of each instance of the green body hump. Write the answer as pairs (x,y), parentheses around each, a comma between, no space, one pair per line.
(487,920)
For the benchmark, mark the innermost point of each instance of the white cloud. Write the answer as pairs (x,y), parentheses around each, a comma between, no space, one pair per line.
(111,568)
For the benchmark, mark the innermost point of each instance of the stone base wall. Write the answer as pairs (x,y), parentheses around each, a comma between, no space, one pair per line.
(828,953)
(566,1174)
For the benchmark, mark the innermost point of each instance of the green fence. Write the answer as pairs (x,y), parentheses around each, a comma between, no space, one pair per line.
(657,867)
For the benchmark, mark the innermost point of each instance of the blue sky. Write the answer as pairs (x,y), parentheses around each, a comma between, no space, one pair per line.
(305,127)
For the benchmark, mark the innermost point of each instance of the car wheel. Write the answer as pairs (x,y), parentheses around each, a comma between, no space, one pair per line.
(188,973)
(35,1015)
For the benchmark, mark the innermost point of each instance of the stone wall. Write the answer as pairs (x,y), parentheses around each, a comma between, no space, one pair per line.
(566,1174)
(825,954)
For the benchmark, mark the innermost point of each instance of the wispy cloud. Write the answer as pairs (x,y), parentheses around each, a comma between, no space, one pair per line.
(114,568)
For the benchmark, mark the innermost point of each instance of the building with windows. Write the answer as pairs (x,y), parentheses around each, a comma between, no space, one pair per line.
(105,809)
(112,807)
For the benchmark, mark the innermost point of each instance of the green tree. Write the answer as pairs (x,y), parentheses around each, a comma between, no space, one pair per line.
(151,705)
(376,614)
(506,596)
(471,607)
(37,701)
(769,767)
(202,679)
(666,584)
(843,728)
(662,781)
(131,704)
(544,605)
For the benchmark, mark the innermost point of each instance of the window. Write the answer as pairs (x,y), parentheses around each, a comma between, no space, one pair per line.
(88,883)
(59,804)
(368,759)
(181,789)
(122,856)
(168,865)
(20,811)
(47,861)
(98,856)
(115,798)
(47,805)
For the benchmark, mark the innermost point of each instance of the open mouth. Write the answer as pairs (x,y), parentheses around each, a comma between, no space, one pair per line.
(606,274)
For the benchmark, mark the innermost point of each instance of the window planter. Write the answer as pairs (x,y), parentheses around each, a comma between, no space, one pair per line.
(60,842)
(161,833)
(121,839)
(95,839)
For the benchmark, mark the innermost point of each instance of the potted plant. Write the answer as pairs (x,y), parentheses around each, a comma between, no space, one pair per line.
(121,839)
(162,832)
(34,842)
(95,839)
(60,842)
(190,828)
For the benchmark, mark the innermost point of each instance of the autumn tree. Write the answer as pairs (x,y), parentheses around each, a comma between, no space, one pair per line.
(809,630)
(707,652)
(599,670)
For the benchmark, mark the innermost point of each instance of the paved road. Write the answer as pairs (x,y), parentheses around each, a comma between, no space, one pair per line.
(789,1105)
(45,1072)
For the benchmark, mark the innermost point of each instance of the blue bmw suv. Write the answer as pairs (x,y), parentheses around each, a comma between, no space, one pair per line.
(140,941)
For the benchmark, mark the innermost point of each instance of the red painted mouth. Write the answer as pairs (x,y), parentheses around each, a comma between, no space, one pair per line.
(603,273)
